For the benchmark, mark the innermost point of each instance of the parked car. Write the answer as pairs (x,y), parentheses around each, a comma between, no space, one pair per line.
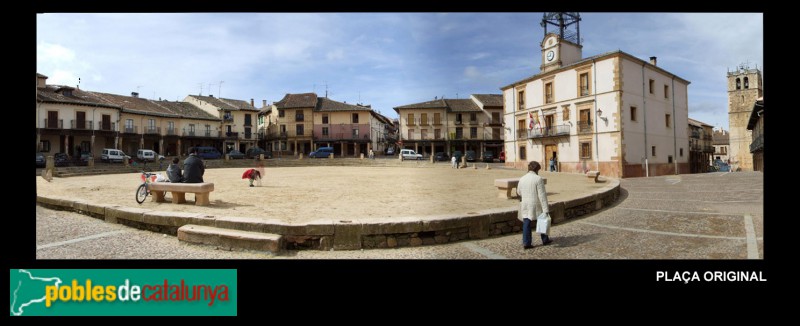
(410,154)
(234,154)
(254,152)
(322,152)
(488,156)
(40,160)
(61,159)
(502,157)
(113,155)
(471,156)
(148,155)
(208,152)
(724,167)
(390,151)
(441,156)
(458,155)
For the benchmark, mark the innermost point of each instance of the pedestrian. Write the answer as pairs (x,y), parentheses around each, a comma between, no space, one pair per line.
(251,174)
(193,167)
(371,154)
(553,162)
(533,203)
(174,173)
(453,160)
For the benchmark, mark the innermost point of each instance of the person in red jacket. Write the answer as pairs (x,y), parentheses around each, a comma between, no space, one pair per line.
(251,174)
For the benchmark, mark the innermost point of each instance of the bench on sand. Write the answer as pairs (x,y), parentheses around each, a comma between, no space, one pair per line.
(505,186)
(179,190)
(592,175)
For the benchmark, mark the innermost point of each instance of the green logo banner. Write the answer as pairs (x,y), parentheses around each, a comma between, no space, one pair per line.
(123,292)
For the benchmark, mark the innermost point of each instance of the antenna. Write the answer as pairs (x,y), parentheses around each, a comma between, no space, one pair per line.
(138,87)
(79,82)
(219,91)
(201,88)
(326,88)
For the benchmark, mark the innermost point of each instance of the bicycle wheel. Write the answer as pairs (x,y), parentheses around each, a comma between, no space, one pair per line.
(141,194)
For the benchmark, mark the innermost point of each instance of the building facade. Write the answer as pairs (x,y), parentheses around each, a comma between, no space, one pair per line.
(238,120)
(700,148)
(744,88)
(720,141)
(448,125)
(756,127)
(612,112)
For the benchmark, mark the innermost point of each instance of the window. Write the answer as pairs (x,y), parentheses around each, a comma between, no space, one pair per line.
(208,130)
(669,159)
(746,83)
(521,100)
(283,129)
(585,122)
(437,119)
(459,133)
(300,129)
(473,117)
(738,83)
(248,120)
(423,120)
(247,132)
(652,86)
(633,113)
(681,151)
(324,131)
(410,133)
(355,132)
(565,113)
(281,113)
(584,84)
(129,124)
(191,129)
(410,119)
(458,119)
(355,117)
(473,133)
(522,152)
(299,116)
(548,92)
(666,91)
(724,150)
(171,126)
(151,124)
(496,117)
(437,133)
(653,150)
(324,119)
(423,134)
(44,145)
(586,150)
(666,117)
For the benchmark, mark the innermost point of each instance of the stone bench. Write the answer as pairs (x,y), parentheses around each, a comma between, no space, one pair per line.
(179,190)
(592,175)
(505,186)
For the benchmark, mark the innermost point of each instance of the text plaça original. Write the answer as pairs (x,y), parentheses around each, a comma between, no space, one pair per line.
(711,276)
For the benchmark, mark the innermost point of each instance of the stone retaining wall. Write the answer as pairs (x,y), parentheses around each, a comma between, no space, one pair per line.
(326,234)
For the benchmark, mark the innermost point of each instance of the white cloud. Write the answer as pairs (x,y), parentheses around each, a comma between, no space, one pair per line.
(54,53)
(479,55)
(471,72)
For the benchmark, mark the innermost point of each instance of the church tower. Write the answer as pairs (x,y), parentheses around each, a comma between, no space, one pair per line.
(744,88)
(562,46)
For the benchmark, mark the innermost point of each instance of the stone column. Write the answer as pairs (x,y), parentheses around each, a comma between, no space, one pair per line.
(295,147)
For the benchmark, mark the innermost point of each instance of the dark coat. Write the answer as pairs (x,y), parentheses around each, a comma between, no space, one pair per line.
(193,169)
(174,173)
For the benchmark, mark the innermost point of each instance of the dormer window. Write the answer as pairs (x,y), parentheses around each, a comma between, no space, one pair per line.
(66,91)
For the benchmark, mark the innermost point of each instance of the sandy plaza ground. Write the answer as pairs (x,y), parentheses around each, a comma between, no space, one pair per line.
(301,194)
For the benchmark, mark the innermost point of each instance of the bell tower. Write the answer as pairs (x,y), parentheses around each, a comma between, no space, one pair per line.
(562,45)
(744,88)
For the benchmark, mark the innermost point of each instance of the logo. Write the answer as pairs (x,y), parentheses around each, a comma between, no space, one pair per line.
(123,292)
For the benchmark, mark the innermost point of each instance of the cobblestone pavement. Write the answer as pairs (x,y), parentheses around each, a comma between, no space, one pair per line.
(697,216)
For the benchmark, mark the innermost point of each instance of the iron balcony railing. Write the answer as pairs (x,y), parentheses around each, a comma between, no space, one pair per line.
(231,135)
(549,131)
(171,131)
(54,124)
(109,126)
(80,124)
(152,130)
(131,129)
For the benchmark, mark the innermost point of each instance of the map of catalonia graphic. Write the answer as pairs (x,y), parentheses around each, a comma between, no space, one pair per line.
(29,290)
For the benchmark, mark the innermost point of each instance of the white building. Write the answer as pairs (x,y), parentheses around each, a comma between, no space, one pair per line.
(612,112)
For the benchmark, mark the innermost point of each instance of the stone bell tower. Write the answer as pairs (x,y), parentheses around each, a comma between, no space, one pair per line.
(744,88)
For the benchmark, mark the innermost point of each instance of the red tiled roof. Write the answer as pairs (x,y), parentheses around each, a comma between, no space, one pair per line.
(326,104)
(226,103)
(55,94)
(490,99)
(303,100)
(462,105)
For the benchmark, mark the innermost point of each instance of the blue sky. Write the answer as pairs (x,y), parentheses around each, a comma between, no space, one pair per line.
(382,59)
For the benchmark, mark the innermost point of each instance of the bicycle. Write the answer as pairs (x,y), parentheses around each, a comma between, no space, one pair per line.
(144,188)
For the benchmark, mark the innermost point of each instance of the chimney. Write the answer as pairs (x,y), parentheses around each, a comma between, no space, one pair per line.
(134,94)
(653,61)
(252,103)
(210,95)
(263,103)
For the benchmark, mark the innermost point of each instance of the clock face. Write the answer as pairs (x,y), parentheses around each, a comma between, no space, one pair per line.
(550,55)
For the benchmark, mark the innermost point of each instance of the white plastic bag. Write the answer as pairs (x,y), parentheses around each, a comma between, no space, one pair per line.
(543,223)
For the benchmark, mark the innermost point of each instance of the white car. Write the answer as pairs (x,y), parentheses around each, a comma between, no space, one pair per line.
(410,154)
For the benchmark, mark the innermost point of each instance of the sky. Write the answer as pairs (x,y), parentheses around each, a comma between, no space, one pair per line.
(382,59)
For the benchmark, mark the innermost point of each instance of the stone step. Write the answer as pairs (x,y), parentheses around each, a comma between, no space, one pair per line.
(230,239)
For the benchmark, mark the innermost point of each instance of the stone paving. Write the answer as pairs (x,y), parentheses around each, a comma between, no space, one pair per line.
(701,216)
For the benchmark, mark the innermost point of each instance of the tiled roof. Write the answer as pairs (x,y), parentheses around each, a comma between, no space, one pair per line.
(226,103)
(435,104)
(135,104)
(186,110)
(303,100)
(462,105)
(78,97)
(490,99)
(698,123)
(720,138)
(326,104)
(40,75)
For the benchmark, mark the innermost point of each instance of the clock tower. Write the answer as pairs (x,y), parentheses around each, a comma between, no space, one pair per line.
(563,46)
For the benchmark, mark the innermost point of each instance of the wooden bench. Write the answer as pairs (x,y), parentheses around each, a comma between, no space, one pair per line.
(179,190)
(592,175)
(505,186)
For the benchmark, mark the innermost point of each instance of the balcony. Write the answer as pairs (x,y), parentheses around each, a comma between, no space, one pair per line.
(231,135)
(437,122)
(80,124)
(458,122)
(473,122)
(708,149)
(695,134)
(108,126)
(584,126)
(54,124)
(228,117)
(131,129)
(152,130)
(584,90)
(248,135)
(495,122)
(551,131)
(757,144)
(171,132)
